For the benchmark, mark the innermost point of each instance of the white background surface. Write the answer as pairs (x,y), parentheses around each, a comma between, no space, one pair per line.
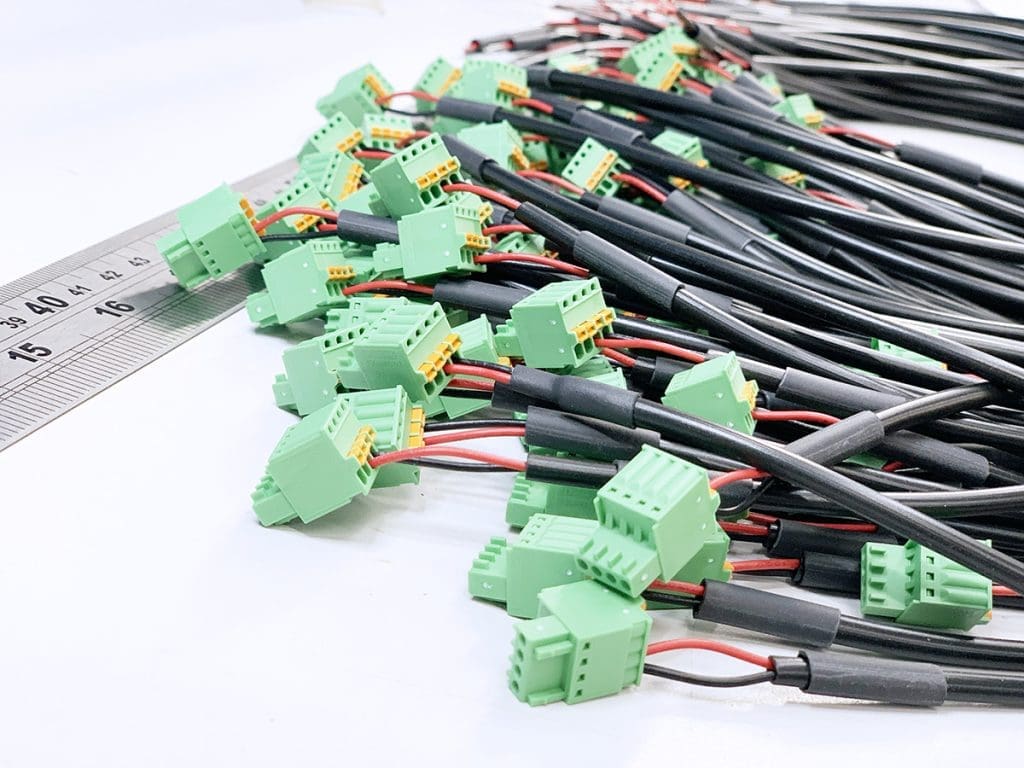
(145,617)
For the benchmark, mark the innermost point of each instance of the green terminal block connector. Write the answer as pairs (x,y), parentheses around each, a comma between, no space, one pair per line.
(771,84)
(543,556)
(671,40)
(799,108)
(215,236)
(315,369)
(355,95)
(715,390)
(685,147)
(532,497)
(600,369)
(477,339)
(661,73)
(708,563)
(783,173)
(338,134)
(387,261)
(410,346)
(304,282)
(593,166)
(556,326)
(904,353)
(410,180)
(491,82)
(386,131)
(319,465)
(919,587)
(520,242)
(397,425)
(301,193)
(436,80)
(444,239)
(497,140)
(335,175)
(362,310)
(655,515)
(573,62)
(587,642)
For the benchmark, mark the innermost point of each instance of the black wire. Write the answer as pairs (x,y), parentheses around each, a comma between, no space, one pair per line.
(485,364)
(709,682)
(944,403)
(455,466)
(671,598)
(299,236)
(441,426)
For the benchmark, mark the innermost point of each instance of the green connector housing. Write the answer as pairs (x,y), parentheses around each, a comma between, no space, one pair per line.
(538,155)
(335,175)
(363,200)
(215,236)
(491,82)
(319,465)
(715,390)
(917,586)
(303,193)
(436,80)
(655,516)
(708,563)
(520,242)
(783,173)
(709,76)
(543,556)
(488,576)
(397,425)
(556,326)
(587,642)
(771,83)
(410,180)
(477,339)
(800,109)
(499,141)
(314,370)
(661,73)
(592,167)
(362,310)
(386,131)
(387,260)
(532,497)
(904,353)
(338,134)
(600,369)
(444,239)
(685,147)
(304,282)
(573,62)
(409,346)
(355,94)
(671,40)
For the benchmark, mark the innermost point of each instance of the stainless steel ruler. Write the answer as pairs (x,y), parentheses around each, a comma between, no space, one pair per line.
(79,325)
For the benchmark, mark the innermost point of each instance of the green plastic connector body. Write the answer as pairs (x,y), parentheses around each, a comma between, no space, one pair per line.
(600,369)
(314,370)
(491,82)
(388,261)
(708,563)
(497,140)
(685,147)
(537,155)
(771,83)
(386,131)
(444,239)
(671,40)
(715,390)
(335,175)
(576,63)
(437,79)
(592,167)
(488,576)
(904,353)
(410,180)
(555,327)
(362,310)
(338,134)
(710,76)
(355,94)
(917,586)
(477,340)
(215,236)
(587,642)
(397,425)
(302,192)
(661,73)
(799,108)
(319,465)
(655,515)
(783,173)
(304,282)
(532,497)
(520,242)
(410,346)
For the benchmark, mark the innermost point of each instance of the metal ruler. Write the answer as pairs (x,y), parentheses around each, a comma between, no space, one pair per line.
(79,325)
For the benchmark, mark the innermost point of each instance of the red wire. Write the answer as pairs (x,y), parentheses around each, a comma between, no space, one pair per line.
(372,154)
(618,357)
(473,434)
(842,130)
(632,181)
(735,58)
(718,70)
(276,216)
(479,371)
(614,74)
(535,137)
(769,564)
(744,529)
(414,136)
(811,417)
(537,104)
(758,517)
(504,229)
(447,450)
(695,85)
(422,95)
(484,192)
(482,386)
(828,196)
(551,178)
(686,644)
(892,466)
(735,476)
(998,591)
(532,258)
(682,587)
(379,285)
(652,345)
